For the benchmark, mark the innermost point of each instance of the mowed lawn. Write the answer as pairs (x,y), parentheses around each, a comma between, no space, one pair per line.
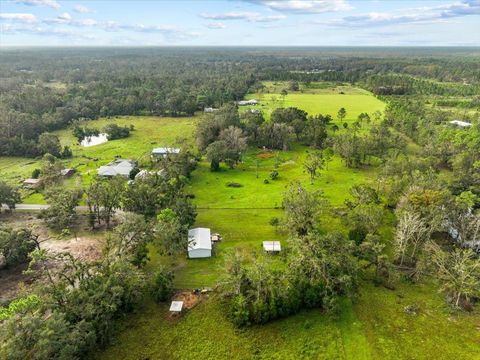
(317,99)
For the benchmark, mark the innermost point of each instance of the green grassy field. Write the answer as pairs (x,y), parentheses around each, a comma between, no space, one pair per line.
(375,326)
(318,99)
(150,132)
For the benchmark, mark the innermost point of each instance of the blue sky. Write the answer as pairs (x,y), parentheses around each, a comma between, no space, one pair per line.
(239,23)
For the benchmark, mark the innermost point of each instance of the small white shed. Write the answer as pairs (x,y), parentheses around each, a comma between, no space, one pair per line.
(199,243)
(460,123)
(272,246)
(176,306)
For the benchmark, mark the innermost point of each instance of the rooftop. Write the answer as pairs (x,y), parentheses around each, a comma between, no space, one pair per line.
(199,238)
(272,246)
(176,306)
(165,150)
(117,167)
(460,123)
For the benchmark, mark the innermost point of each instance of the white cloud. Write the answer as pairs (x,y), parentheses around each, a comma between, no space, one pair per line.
(305,6)
(65,16)
(421,15)
(49,3)
(248,16)
(42,31)
(21,17)
(216,25)
(81,9)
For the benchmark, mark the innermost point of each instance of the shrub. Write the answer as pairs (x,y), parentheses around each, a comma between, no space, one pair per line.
(36,174)
(162,287)
(274,175)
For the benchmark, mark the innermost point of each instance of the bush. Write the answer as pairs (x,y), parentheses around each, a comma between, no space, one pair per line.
(36,173)
(274,175)
(162,287)
(15,245)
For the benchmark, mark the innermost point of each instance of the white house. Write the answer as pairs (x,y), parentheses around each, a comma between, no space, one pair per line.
(199,243)
(118,167)
(210,109)
(272,246)
(164,151)
(459,123)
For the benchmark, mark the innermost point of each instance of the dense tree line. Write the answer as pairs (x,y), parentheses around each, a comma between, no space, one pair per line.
(41,91)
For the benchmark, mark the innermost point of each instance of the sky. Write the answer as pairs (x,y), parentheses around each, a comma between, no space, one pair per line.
(239,23)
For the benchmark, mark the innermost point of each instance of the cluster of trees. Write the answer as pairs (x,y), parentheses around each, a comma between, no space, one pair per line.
(223,135)
(15,245)
(9,195)
(76,307)
(112,130)
(173,84)
(83,132)
(319,268)
(78,303)
(147,195)
(359,149)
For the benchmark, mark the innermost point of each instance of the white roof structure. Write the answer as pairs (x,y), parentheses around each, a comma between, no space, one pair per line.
(142,174)
(247,102)
(199,238)
(176,306)
(163,151)
(460,123)
(272,246)
(118,167)
(31,181)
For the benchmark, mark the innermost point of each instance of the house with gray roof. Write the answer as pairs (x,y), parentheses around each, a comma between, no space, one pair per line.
(120,167)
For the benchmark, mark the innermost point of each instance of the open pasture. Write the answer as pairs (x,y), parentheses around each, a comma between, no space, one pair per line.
(318,98)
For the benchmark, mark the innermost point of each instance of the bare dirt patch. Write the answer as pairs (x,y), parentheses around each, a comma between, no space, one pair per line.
(265,155)
(83,248)
(12,281)
(189,298)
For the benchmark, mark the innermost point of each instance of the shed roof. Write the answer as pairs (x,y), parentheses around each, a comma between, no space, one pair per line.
(272,246)
(176,306)
(199,238)
(165,150)
(460,123)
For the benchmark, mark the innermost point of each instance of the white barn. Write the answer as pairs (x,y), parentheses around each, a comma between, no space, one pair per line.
(199,243)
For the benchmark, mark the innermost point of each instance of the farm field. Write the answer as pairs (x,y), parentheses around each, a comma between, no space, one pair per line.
(374,327)
(366,329)
(318,99)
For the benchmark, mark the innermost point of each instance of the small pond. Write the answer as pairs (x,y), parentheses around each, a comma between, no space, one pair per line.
(94,140)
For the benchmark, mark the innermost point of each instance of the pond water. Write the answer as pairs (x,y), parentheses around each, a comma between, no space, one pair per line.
(94,140)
